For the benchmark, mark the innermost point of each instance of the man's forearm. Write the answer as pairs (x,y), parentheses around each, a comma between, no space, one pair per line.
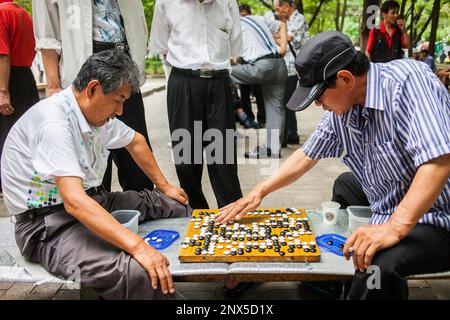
(50,59)
(88,212)
(5,67)
(143,156)
(283,37)
(421,195)
(294,168)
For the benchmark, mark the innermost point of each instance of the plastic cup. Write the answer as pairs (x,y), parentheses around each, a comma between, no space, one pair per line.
(330,212)
(128,218)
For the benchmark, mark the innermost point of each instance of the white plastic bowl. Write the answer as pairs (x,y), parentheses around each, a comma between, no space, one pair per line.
(358,216)
(128,218)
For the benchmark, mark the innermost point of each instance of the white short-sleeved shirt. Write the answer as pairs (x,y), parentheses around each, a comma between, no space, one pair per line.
(197,35)
(54,139)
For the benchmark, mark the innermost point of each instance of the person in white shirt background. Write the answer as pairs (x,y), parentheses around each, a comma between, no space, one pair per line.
(68,32)
(198,39)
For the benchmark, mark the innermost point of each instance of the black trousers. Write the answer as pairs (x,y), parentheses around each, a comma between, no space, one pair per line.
(208,101)
(425,250)
(348,191)
(246,91)
(23,95)
(131,177)
(291,120)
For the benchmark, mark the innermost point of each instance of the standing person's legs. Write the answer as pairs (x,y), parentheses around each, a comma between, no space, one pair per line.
(246,90)
(131,177)
(348,191)
(220,117)
(425,250)
(257,91)
(186,98)
(23,95)
(291,133)
(275,116)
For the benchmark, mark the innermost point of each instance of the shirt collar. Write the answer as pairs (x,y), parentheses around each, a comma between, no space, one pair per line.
(75,107)
(374,90)
(384,30)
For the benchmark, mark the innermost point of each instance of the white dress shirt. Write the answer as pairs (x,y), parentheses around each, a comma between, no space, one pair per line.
(54,139)
(197,35)
(67,27)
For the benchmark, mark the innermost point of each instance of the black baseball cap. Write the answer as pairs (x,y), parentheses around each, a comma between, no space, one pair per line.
(321,58)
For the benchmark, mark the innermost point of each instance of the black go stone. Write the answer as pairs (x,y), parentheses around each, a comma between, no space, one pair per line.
(291,250)
(277,249)
(282,253)
(330,243)
(262,250)
(233,253)
(306,249)
(299,246)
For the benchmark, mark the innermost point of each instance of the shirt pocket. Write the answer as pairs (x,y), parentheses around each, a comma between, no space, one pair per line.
(389,164)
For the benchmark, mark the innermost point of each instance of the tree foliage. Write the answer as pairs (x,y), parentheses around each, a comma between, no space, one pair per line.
(344,15)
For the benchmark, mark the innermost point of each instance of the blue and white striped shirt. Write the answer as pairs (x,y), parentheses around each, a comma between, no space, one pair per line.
(405,123)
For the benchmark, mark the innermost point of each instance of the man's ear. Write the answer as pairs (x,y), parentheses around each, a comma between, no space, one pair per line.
(348,78)
(93,87)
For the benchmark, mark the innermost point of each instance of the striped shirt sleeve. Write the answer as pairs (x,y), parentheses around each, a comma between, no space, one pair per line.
(427,117)
(323,143)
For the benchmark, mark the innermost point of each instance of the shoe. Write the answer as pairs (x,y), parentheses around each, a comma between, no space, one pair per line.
(261,153)
(238,291)
(249,123)
(293,141)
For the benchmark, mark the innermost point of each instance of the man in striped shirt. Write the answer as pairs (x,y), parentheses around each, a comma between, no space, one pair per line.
(392,122)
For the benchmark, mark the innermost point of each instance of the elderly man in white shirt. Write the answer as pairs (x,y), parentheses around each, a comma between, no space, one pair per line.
(52,167)
(198,39)
(68,32)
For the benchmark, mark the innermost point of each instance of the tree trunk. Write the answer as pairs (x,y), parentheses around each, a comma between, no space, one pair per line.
(434,26)
(419,36)
(344,12)
(402,9)
(364,28)
(338,14)
(300,6)
(316,13)
(411,33)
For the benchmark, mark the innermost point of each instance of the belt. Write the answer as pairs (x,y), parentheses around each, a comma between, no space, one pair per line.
(36,212)
(102,46)
(267,56)
(203,73)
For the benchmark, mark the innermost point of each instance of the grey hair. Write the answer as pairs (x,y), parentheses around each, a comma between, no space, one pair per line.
(112,68)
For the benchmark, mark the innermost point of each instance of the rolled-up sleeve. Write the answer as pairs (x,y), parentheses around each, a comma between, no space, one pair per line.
(323,143)
(47,25)
(237,46)
(427,105)
(160,32)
